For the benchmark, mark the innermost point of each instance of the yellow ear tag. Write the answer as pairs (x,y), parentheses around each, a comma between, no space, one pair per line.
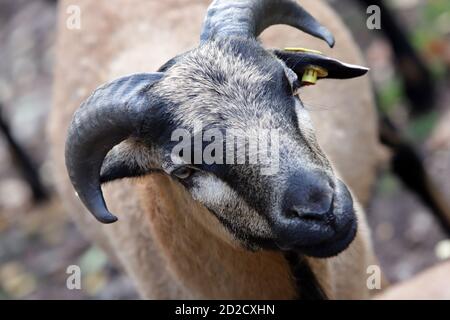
(312,73)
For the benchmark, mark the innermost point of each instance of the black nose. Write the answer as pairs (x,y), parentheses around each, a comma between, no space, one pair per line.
(317,216)
(309,197)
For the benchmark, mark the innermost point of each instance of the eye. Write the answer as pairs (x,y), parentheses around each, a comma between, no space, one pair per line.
(182,172)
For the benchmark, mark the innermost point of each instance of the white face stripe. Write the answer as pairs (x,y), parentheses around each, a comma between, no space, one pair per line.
(218,196)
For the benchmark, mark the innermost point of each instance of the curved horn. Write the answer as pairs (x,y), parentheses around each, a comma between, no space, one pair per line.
(248,18)
(110,115)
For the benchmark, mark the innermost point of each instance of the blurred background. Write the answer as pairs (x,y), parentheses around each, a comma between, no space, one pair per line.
(38,241)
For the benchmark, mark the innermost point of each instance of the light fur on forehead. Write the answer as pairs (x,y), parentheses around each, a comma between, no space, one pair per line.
(208,77)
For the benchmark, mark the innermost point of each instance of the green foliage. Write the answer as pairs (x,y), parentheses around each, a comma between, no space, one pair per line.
(435,8)
(420,128)
(434,23)
(387,184)
(390,94)
(93,260)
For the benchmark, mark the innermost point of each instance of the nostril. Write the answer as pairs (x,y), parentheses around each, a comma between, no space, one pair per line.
(309,197)
(295,213)
(312,216)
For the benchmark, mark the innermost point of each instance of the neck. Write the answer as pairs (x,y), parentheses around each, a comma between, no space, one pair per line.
(307,283)
(204,263)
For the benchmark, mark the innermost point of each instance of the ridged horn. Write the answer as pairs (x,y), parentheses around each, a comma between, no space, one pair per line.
(248,18)
(110,115)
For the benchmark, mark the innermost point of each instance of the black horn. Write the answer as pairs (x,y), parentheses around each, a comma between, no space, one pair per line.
(113,113)
(248,18)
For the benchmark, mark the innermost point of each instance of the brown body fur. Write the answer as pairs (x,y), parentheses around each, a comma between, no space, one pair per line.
(166,252)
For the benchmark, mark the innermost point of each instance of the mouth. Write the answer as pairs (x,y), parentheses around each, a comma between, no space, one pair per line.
(333,246)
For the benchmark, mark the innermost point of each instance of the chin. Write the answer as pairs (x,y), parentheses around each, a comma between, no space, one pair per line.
(333,246)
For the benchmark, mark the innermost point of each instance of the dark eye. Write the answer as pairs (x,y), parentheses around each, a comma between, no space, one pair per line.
(183,172)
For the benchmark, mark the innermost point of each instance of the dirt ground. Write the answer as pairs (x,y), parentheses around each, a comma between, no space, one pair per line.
(39,242)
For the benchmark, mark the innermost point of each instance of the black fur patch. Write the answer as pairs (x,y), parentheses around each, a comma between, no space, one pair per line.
(308,287)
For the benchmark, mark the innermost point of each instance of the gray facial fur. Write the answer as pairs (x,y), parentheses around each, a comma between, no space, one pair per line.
(231,85)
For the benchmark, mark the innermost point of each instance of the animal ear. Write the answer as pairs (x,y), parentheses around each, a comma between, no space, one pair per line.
(131,158)
(312,66)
